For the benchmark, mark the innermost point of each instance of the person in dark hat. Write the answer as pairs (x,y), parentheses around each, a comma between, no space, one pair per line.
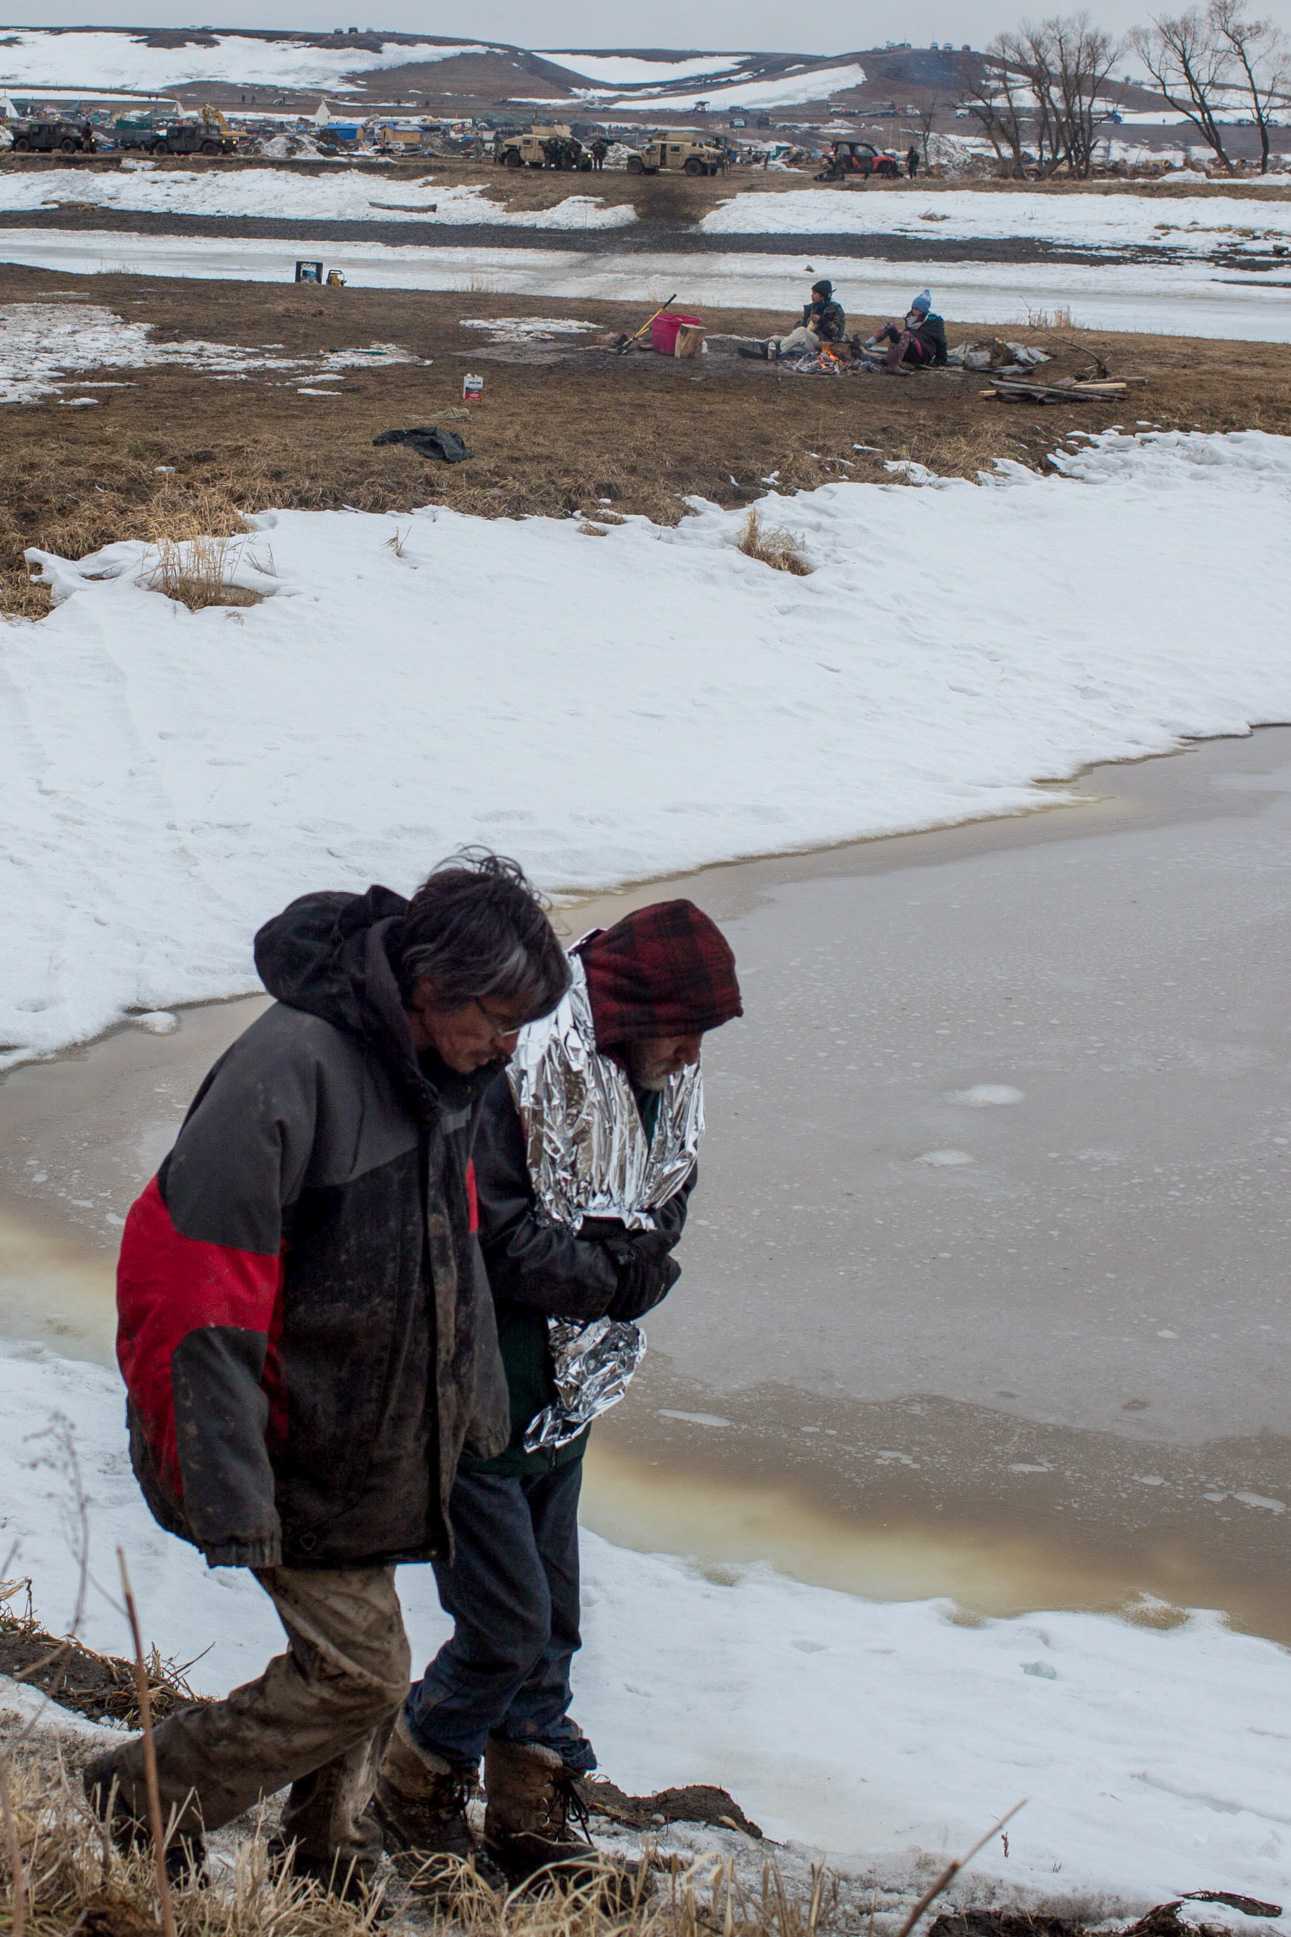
(584,1161)
(823,321)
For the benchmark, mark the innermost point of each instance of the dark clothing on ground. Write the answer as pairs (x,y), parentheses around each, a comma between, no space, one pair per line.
(923,345)
(512,1590)
(305,1330)
(826,319)
(317,1718)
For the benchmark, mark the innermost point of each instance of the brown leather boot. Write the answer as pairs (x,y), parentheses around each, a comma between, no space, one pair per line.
(186,1850)
(530,1796)
(420,1803)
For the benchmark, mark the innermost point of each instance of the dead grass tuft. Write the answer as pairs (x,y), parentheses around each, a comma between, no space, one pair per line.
(60,1876)
(100,1687)
(197,573)
(773,546)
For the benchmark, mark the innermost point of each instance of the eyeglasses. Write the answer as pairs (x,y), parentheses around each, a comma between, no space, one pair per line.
(500,1027)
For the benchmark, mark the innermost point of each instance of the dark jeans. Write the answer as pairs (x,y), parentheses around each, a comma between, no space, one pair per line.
(512,1591)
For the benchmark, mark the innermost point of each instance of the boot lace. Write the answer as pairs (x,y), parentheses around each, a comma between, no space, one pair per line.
(574,1804)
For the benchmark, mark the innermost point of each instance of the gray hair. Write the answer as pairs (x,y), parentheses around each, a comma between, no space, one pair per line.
(476,928)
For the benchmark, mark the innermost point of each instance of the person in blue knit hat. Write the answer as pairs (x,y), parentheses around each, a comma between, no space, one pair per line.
(919,343)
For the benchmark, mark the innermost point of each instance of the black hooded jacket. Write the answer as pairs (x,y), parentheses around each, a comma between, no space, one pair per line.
(304,1326)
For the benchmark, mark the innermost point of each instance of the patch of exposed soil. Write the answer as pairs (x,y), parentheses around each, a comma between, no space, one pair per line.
(693,1802)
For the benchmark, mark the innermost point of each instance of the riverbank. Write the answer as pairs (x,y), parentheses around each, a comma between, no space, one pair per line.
(922,1433)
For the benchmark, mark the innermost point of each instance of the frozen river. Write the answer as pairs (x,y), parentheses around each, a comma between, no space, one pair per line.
(1191,299)
(984,1286)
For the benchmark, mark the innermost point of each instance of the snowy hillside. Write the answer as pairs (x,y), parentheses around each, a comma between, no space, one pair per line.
(626,70)
(774,91)
(35,57)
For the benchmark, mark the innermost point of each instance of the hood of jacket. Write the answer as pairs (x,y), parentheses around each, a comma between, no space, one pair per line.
(330,954)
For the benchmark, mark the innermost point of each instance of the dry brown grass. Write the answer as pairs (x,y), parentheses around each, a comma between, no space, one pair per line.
(178,456)
(197,572)
(772,545)
(99,1686)
(61,1877)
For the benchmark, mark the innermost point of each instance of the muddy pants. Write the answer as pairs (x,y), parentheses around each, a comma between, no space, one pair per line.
(315,1719)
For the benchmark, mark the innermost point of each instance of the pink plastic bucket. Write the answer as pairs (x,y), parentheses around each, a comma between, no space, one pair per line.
(665,330)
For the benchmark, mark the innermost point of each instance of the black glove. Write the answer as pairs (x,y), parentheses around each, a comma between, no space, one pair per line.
(646,1273)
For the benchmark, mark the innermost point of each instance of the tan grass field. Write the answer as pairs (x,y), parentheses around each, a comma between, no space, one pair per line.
(567,432)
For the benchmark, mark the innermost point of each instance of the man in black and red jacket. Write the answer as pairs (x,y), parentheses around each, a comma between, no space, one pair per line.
(307,1338)
(656,983)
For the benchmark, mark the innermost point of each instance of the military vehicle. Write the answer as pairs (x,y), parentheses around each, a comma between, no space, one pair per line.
(32,137)
(550,147)
(206,133)
(678,148)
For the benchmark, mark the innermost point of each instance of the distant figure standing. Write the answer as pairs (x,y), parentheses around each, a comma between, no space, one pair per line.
(600,149)
(912,161)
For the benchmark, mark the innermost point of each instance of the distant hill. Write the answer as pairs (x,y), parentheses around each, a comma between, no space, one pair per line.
(446,75)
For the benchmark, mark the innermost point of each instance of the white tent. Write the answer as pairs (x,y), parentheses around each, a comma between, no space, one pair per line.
(320,116)
(8,112)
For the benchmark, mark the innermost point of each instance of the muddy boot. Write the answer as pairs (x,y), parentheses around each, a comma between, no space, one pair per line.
(186,1850)
(420,1803)
(352,1878)
(531,1795)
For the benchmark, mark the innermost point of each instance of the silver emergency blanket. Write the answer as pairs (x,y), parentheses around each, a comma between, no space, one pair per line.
(589,1157)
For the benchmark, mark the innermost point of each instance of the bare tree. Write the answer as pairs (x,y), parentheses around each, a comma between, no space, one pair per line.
(1261,62)
(999,101)
(927,120)
(1083,57)
(1066,62)
(1189,66)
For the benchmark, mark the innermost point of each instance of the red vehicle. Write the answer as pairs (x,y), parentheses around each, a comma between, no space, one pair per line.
(851,158)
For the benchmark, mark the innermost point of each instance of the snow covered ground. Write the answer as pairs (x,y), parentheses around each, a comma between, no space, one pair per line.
(1196,225)
(779,91)
(725,709)
(43,344)
(622,70)
(1168,296)
(283,192)
(117,58)
(1153,1760)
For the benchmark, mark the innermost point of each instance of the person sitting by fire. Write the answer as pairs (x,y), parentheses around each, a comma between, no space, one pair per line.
(823,322)
(918,343)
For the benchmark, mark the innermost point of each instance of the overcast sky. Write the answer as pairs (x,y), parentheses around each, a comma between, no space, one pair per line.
(827,27)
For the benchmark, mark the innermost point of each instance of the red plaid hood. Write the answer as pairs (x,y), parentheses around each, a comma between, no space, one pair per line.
(666,970)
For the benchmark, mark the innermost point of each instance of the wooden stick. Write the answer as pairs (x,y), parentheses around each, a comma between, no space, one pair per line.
(638,334)
(19,1921)
(952,1870)
(143,1695)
